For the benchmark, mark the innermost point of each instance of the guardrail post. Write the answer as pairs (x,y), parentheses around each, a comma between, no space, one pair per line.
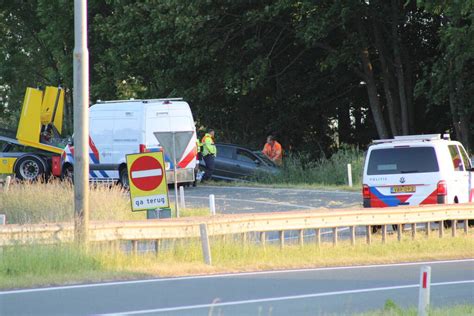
(244,238)
(384,234)
(317,234)
(263,239)
(334,236)
(282,238)
(301,237)
(428,229)
(212,204)
(466,226)
(181,197)
(135,247)
(441,229)
(353,235)
(424,292)
(413,231)
(369,234)
(206,248)
(454,225)
(3,219)
(399,232)
(157,246)
(349,174)
(6,184)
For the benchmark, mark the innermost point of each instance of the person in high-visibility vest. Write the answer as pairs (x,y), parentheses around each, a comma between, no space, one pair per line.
(273,151)
(209,152)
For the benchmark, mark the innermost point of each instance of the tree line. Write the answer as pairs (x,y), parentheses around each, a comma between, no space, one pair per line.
(317,74)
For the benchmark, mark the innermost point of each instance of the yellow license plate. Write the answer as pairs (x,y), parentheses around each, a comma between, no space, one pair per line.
(403,189)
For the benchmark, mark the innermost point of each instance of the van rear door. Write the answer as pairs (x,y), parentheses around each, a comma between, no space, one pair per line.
(401,175)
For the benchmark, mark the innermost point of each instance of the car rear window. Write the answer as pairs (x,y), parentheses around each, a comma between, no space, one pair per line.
(402,160)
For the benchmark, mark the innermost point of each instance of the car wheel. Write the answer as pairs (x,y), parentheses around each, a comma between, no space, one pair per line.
(29,168)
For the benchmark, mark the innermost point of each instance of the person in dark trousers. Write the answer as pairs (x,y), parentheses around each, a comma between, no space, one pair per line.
(209,153)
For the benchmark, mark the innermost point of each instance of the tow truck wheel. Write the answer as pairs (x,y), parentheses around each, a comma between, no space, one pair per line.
(29,168)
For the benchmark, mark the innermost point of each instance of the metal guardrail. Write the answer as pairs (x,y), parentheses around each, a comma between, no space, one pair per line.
(14,234)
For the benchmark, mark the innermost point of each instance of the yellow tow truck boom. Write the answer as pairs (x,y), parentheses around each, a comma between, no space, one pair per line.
(39,129)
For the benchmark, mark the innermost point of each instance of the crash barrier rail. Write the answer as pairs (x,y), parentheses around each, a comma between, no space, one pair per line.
(260,223)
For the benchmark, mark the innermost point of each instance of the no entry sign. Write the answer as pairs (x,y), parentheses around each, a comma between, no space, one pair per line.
(148,186)
(146,173)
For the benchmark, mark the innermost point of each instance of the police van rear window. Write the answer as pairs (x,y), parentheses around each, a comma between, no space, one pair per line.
(402,160)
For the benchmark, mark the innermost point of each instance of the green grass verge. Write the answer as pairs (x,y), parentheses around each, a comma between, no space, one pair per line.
(391,309)
(40,265)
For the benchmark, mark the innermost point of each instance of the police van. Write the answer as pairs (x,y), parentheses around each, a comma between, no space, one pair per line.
(118,128)
(416,170)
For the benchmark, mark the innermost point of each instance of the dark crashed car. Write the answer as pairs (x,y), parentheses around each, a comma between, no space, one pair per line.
(234,162)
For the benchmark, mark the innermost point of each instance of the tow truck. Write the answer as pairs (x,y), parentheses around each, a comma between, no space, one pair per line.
(34,152)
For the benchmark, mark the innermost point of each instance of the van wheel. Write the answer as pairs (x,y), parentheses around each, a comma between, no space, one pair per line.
(123,179)
(376,228)
(29,168)
(67,174)
(448,224)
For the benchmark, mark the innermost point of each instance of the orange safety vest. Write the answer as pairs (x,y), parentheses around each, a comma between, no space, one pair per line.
(274,153)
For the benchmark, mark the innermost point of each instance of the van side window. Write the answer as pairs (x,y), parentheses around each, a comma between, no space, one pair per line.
(465,158)
(456,158)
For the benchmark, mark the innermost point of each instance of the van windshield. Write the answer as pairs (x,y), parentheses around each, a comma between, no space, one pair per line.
(402,160)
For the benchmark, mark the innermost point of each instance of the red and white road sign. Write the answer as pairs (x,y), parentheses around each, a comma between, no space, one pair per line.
(146,173)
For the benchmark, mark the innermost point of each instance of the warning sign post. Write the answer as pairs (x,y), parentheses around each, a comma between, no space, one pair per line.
(147,178)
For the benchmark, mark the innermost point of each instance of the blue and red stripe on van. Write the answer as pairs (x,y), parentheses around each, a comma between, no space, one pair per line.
(374,198)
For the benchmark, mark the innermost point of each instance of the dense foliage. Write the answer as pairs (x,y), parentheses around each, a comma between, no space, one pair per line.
(316,73)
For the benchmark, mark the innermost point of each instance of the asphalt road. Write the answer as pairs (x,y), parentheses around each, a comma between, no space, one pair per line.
(341,290)
(251,199)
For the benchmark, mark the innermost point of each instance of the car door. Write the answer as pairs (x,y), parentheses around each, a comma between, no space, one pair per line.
(460,176)
(466,178)
(246,164)
(224,164)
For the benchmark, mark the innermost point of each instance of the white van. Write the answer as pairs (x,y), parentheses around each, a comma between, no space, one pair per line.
(417,169)
(118,128)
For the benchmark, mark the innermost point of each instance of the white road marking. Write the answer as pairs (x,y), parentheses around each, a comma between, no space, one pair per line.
(229,275)
(283,189)
(146,173)
(253,201)
(286,298)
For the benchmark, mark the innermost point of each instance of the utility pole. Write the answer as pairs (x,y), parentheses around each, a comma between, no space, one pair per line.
(81,124)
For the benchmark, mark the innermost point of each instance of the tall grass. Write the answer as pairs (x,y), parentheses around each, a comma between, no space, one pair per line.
(28,203)
(301,169)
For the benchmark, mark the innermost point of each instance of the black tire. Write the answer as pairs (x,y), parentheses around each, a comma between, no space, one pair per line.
(67,173)
(123,178)
(395,227)
(376,228)
(30,168)
(448,224)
